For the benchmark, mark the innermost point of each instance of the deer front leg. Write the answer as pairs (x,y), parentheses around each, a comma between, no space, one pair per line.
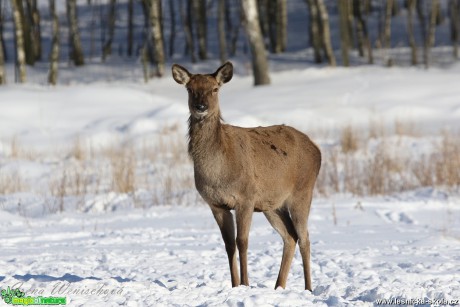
(243,224)
(224,219)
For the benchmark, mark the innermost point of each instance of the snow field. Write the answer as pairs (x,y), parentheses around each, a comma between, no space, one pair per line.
(174,256)
(96,190)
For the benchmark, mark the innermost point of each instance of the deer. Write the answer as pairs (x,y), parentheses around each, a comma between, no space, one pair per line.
(271,169)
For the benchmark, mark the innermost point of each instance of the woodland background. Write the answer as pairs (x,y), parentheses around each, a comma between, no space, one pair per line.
(150,33)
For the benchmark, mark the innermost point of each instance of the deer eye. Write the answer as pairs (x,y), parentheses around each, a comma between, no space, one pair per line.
(215,90)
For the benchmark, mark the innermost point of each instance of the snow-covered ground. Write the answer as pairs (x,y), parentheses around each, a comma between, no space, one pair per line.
(164,249)
(174,256)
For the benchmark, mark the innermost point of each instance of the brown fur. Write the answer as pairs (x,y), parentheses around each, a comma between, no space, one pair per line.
(265,169)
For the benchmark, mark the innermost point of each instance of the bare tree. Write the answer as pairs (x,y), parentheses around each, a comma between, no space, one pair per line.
(185,13)
(2,54)
(326,33)
(76,50)
(93,26)
(26,33)
(199,10)
(256,43)
(35,31)
(111,18)
(454,11)
(172,34)
(314,30)
(410,30)
(54,55)
(2,41)
(344,33)
(362,31)
(281,26)
(130,27)
(431,31)
(262,6)
(234,31)
(423,27)
(2,67)
(387,31)
(221,31)
(19,39)
(156,35)
(271,18)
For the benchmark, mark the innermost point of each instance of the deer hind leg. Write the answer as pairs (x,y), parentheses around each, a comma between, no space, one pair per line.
(243,224)
(224,219)
(281,221)
(300,209)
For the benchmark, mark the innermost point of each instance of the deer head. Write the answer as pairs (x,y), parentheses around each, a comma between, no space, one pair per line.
(203,89)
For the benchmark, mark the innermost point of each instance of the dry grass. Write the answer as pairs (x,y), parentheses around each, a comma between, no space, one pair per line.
(14,148)
(349,139)
(11,182)
(386,168)
(123,162)
(406,127)
(78,150)
(157,170)
(19,152)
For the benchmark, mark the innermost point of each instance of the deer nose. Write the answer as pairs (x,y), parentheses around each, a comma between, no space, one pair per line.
(201,107)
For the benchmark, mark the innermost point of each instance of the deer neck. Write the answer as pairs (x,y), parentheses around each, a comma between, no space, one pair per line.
(206,139)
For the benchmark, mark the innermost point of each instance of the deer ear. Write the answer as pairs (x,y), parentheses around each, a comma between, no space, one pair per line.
(180,74)
(224,73)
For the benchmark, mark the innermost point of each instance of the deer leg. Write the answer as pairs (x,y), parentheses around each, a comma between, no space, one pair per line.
(281,221)
(224,219)
(300,210)
(243,224)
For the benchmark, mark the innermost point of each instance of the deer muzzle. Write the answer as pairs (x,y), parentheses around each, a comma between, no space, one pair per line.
(200,107)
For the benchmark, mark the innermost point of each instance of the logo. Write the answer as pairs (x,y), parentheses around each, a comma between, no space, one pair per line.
(17,297)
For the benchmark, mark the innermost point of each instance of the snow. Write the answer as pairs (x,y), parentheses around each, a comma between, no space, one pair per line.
(170,252)
(175,255)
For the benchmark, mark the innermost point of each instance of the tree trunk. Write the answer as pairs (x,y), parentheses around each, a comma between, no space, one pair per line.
(157,36)
(410,30)
(423,28)
(262,6)
(362,28)
(271,16)
(351,33)
(130,27)
(2,60)
(259,55)
(26,32)
(235,32)
(344,37)
(93,27)
(172,34)
(111,18)
(2,54)
(19,39)
(326,33)
(199,9)
(2,41)
(315,38)
(387,31)
(54,55)
(76,51)
(281,26)
(431,31)
(35,30)
(454,25)
(358,27)
(185,13)
(221,30)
